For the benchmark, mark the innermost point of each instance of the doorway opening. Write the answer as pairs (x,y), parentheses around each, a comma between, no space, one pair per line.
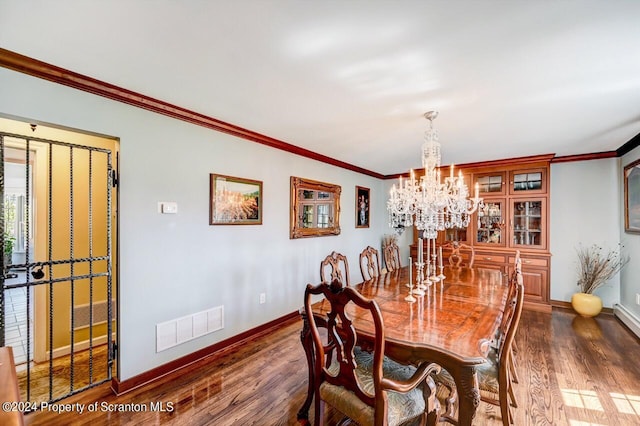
(57,286)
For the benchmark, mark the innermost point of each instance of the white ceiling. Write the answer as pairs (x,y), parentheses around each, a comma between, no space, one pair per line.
(351,79)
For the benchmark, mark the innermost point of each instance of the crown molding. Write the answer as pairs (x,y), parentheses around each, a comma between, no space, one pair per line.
(33,67)
(631,144)
(533,159)
(584,157)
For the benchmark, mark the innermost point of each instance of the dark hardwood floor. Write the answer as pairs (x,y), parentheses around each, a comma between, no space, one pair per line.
(573,371)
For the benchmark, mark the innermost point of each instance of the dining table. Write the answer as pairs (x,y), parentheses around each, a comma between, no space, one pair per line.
(453,325)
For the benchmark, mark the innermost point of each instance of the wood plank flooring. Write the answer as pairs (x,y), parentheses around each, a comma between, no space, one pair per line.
(573,371)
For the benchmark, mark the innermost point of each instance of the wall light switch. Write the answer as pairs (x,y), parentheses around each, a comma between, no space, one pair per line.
(168,207)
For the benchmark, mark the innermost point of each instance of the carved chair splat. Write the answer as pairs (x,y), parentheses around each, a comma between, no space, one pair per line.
(335,267)
(456,258)
(369,263)
(392,257)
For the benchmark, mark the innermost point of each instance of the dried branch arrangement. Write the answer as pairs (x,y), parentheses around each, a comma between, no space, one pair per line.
(596,267)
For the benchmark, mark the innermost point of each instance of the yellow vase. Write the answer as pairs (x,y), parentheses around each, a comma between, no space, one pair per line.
(587,305)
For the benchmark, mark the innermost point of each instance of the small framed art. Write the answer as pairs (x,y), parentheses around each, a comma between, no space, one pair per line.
(362,207)
(234,201)
(632,197)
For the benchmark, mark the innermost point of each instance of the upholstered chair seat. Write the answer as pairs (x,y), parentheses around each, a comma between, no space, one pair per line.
(402,407)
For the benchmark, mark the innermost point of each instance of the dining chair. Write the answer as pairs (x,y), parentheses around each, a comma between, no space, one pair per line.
(460,252)
(366,386)
(335,267)
(369,263)
(392,257)
(517,268)
(494,376)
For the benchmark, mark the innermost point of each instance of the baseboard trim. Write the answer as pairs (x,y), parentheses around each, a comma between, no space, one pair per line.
(538,307)
(121,387)
(628,318)
(77,347)
(567,305)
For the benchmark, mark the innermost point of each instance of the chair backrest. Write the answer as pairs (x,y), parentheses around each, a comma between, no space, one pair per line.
(335,267)
(516,263)
(342,339)
(392,257)
(511,316)
(456,258)
(369,263)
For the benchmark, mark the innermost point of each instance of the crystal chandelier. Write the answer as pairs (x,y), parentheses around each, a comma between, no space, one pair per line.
(429,203)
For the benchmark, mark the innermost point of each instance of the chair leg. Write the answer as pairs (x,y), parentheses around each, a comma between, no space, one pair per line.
(503,400)
(319,415)
(513,367)
(505,411)
(512,397)
(432,405)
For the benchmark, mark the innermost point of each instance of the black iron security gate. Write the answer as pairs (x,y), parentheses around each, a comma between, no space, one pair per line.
(56,298)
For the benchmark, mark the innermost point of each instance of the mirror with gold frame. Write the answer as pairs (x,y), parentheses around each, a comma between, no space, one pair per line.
(315,208)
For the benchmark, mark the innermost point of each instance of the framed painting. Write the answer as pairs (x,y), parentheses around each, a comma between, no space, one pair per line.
(632,197)
(234,201)
(362,207)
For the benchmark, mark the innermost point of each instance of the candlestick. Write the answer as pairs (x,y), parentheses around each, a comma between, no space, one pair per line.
(434,255)
(441,276)
(409,297)
(440,254)
(418,290)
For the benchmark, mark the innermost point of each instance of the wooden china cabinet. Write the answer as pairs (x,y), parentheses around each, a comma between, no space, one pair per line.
(514,217)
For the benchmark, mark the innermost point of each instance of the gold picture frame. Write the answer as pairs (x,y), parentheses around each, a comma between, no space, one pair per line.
(632,197)
(315,208)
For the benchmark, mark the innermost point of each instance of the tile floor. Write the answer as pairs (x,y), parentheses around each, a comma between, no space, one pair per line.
(16,323)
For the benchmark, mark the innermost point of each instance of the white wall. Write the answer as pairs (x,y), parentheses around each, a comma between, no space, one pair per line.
(175,265)
(585,209)
(630,283)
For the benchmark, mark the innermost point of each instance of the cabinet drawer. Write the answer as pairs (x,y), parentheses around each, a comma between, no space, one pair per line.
(490,257)
(531,261)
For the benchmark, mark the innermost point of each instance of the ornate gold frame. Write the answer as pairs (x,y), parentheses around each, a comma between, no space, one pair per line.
(296,226)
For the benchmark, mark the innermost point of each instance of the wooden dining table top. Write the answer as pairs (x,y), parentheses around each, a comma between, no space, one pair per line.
(453,323)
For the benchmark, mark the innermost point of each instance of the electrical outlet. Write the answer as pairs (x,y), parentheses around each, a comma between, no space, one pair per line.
(263,298)
(637,298)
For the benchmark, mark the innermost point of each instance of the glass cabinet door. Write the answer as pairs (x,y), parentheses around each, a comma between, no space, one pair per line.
(527,181)
(490,223)
(528,223)
(491,184)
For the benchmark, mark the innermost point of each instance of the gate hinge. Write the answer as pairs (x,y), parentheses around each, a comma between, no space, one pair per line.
(114,178)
